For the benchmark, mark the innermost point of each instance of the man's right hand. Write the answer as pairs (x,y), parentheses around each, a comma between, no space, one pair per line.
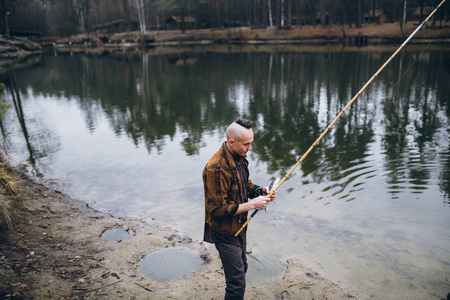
(256,203)
(260,202)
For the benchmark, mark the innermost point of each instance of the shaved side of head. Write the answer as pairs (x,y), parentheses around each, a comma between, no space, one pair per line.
(234,131)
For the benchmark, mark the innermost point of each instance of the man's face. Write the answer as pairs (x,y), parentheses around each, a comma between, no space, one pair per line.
(240,146)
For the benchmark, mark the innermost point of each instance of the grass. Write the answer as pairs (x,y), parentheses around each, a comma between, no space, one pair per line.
(9,194)
(9,191)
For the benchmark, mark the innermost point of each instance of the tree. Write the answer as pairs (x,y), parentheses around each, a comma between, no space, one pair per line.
(68,17)
(182,10)
(126,12)
(403,22)
(82,10)
(140,8)
(63,18)
(360,13)
(269,7)
(323,16)
(5,19)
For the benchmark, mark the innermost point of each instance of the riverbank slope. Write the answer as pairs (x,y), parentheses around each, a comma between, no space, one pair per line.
(368,34)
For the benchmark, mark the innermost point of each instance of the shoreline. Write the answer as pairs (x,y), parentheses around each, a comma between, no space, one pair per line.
(56,251)
(15,49)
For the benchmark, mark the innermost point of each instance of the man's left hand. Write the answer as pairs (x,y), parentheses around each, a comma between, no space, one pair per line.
(266,191)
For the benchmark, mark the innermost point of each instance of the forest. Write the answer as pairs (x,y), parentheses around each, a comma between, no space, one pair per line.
(44,18)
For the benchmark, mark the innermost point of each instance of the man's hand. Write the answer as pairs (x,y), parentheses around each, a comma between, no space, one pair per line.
(266,191)
(260,202)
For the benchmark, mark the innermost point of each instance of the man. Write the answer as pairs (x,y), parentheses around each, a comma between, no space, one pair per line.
(227,190)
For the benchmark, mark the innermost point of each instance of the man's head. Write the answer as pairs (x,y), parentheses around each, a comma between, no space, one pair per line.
(240,137)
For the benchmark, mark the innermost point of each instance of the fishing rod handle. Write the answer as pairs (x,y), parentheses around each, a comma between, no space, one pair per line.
(256,211)
(245,224)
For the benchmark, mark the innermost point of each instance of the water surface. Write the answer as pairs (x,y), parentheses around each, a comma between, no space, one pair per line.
(130,133)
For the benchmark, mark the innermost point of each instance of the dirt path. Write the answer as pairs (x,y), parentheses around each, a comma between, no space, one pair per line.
(56,252)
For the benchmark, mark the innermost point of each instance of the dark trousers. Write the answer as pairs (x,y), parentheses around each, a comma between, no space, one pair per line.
(234,262)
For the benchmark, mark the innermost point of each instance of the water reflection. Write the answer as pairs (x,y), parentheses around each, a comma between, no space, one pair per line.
(131,132)
(294,95)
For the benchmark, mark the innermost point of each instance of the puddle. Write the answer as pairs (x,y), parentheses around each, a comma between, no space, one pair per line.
(117,234)
(170,264)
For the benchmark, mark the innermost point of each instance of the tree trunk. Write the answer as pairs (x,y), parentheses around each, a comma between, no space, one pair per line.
(289,16)
(253,19)
(359,18)
(126,12)
(422,4)
(403,21)
(372,7)
(80,7)
(269,6)
(5,19)
(282,13)
(404,15)
(323,11)
(433,25)
(141,15)
(347,13)
(300,12)
(218,13)
(182,15)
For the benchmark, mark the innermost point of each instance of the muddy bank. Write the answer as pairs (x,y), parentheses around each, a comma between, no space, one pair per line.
(367,34)
(56,251)
(16,50)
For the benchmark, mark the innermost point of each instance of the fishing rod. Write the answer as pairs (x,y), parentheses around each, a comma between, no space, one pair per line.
(342,111)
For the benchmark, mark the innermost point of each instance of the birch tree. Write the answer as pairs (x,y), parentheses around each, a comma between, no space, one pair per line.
(139,6)
(269,7)
(82,11)
(403,23)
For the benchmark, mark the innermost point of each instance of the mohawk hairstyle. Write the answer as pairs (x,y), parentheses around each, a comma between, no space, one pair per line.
(244,123)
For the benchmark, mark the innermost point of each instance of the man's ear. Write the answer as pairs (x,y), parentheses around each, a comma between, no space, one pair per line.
(230,142)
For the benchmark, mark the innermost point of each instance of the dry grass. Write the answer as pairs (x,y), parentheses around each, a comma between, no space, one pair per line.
(307,32)
(385,30)
(9,194)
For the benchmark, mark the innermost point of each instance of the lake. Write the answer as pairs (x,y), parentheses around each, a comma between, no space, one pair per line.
(130,132)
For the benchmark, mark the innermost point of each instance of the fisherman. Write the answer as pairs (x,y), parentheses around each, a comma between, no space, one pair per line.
(227,190)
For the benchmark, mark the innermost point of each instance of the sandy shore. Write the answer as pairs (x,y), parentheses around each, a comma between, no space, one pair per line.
(56,252)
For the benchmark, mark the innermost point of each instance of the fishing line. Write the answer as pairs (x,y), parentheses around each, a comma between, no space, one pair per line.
(342,112)
(417,58)
(249,253)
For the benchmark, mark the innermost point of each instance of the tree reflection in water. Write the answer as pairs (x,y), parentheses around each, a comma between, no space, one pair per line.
(130,132)
(293,95)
